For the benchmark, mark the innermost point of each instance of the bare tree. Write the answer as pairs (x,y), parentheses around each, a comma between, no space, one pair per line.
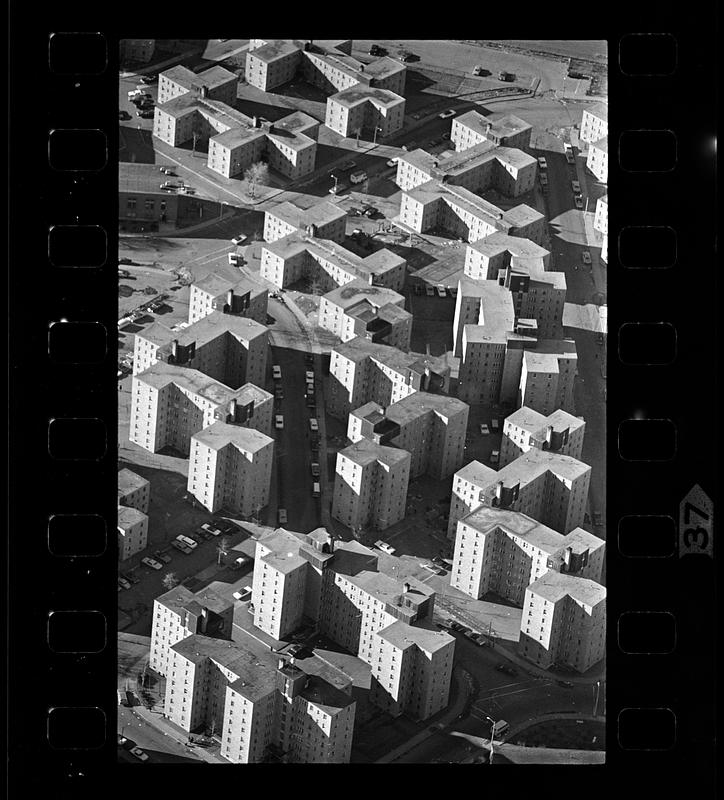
(196,134)
(222,548)
(357,132)
(185,276)
(170,580)
(256,174)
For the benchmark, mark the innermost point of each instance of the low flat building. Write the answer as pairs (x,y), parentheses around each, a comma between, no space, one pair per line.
(365,109)
(370,485)
(228,293)
(180,613)
(372,312)
(323,220)
(361,371)
(228,348)
(526,429)
(563,622)
(549,487)
(133,491)
(171,403)
(132,532)
(230,467)
(430,427)
(503,551)
(597,159)
(215,83)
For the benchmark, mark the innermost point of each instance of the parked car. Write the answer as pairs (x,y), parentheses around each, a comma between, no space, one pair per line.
(565,684)
(386,548)
(124,583)
(445,624)
(586,257)
(449,113)
(181,546)
(599,338)
(578,200)
(480,640)
(434,569)
(277,372)
(214,530)
(313,425)
(282,516)
(576,186)
(149,78)
(315,469)
(279,422)
(309,375)
(484,429)
(391,162)
(441,291)
(188,541)
(145,115)
(429,291)
(543,178)
(124,115)
(472,635)
(463,629)
(308,358)
(570,157)
(597,519)
(161,556)
(495,457)
(316,489)
(140,755)
(360,176)
(542,163)
(508,670)
(242,237)
(348,165)
(376,50)
(152,563)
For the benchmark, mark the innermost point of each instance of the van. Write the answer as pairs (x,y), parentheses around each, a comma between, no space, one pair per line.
(235,260)
(500,728)
(358,177)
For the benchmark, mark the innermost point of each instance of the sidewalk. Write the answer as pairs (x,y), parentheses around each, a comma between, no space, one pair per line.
(158,721)
(597,673)
(515,730)
(463,691)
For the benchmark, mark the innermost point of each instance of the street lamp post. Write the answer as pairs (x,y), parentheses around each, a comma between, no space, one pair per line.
(336,181)
(378,129)
(492,737)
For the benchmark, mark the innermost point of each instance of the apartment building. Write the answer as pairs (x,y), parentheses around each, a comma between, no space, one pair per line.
(327,64)
(472,128)
(564,622)
(361,371)
(430,427)
(133,490)
(486,258)
(170,403)
(412,671)
(215,83)
(600,223)
(526,429)
(323,220)
(180,613)
(228,293)
(370,485)
(228,348)
(594,124)
(371,312)
(366,109)
(503,551)
(265,709)
(548,487)
(546,380)
(477,169)
(132,532)
(597,159)
(465,215)
(230,467)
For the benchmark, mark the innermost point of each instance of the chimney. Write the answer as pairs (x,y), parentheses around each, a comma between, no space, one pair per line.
(499,490)
(280,663)
(256,121)
(549,434)
(406,587)
(230,298)
(204,91)
(174,348)
(232,408)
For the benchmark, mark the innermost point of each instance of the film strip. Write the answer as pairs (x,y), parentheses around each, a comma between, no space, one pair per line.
(661,412)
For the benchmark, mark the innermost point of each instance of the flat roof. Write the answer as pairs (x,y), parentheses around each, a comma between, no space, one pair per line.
(527,467)
(219,282)
(501,125)
(319,214)
(205,330)
(220,435)
(127,516)
(360,349)
(363,94)
(599,110)
(497,314)
(366,452)
(402,635)
(129,482)
(180,598)
(161,375)
(140,179)
(274,49)
(528,419)
(540,362)
(351,293)
(520,249)
(554,586)
(419,403)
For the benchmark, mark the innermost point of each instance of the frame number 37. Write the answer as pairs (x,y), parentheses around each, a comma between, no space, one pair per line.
(696,524)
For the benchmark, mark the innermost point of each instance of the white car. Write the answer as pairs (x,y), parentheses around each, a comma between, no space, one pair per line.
(235,260)
(211,529)
(277,372)
(282,516)
(313,425)
(586,256)
(392,162)
(386,548)
(279,422)
(576,186)
(542,163)
(243,594)
(188,542)
(441,291)
(309,376)
(136,92)
(495,457)
(124,583)
(239,239)
(140,755)
(151,562)
(429,291)
(484,429)
(449,113)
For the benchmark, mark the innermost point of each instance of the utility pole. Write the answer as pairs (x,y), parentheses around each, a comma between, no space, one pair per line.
(492,738)
(377,130)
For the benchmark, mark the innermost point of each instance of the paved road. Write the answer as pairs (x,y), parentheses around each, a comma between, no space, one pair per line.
(159,747)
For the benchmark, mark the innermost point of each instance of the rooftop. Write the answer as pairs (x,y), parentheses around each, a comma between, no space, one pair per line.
(140,179)
(402,635)
(161,375)
(501,126)
(222,280)
(554,586)
(536,423)
(366,452)
(363,94)
(600,110)
(180,598)
(220,435)
(488,520)
(523,252)
(319,214)
(497,313)
(526,468)
(419,403)
(351,293)
(534,361)
(212,77)
(129,482)
(128,516)
(360,349)
(205,330)
(275,49)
